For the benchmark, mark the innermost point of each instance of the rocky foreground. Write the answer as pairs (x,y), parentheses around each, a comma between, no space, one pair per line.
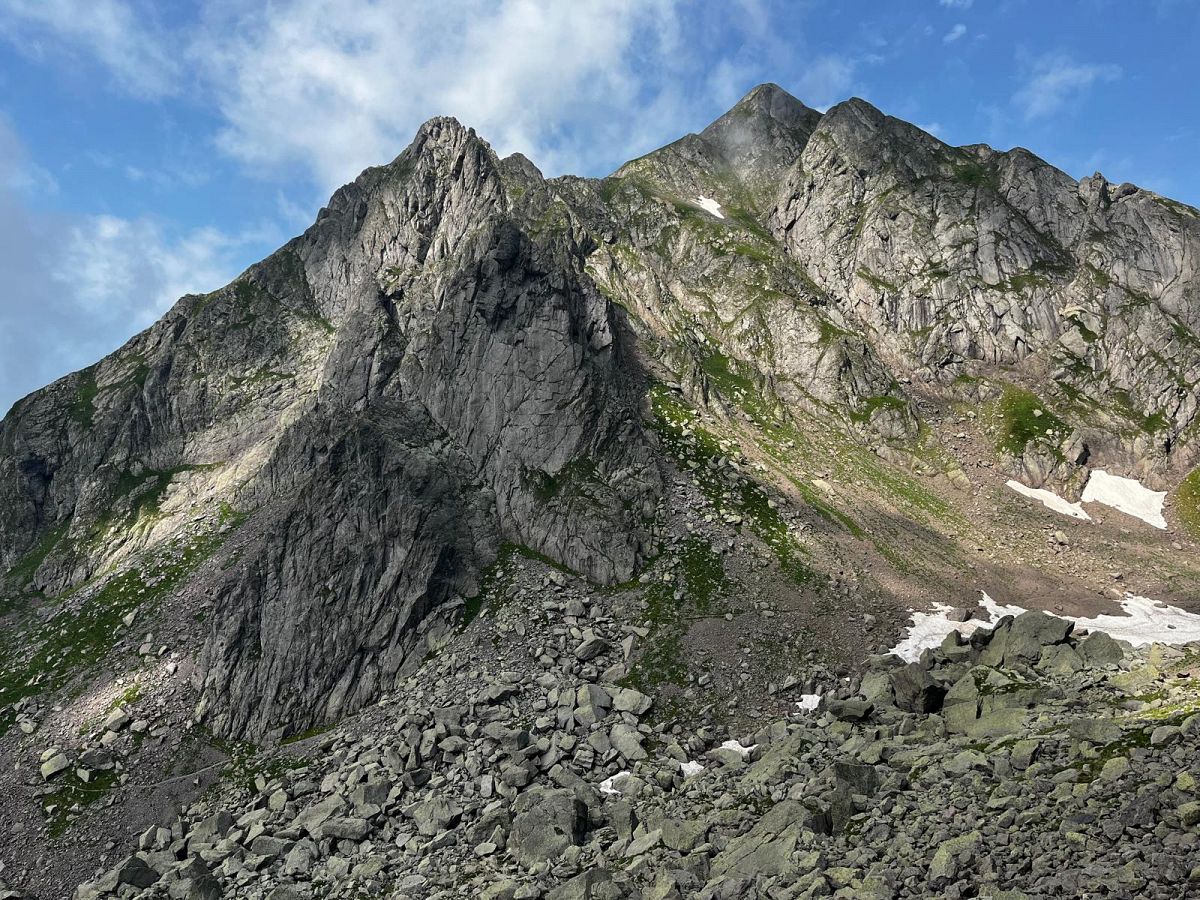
(1024,761)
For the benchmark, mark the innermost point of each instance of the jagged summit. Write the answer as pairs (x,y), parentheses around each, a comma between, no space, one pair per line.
(763,134)
(772,102)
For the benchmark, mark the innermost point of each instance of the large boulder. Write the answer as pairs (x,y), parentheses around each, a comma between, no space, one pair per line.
(915,690)
(547,822)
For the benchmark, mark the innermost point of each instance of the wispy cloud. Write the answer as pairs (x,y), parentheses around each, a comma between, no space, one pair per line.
(827,80)
(1055,79)
(139,268)
(336,86)
(123,36)
(956,4)
(954,33)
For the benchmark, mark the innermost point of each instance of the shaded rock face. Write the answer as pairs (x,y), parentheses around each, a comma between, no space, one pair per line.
(430,382)
(472,380)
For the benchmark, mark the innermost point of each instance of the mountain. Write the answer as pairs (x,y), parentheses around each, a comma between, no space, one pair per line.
(510,456)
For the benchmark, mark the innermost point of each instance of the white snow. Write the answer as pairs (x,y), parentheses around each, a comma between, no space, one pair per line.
(929,629)
(737,745)
(1126,494)
(608,785)
(1144,621)
(809,701)
(690,768)
(1050,500)
(1147,621)
(710,205)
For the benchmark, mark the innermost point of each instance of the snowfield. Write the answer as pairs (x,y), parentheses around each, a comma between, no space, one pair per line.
(1147,621)
(1128,495)
(1050,500)
(708,204)
(1144,621)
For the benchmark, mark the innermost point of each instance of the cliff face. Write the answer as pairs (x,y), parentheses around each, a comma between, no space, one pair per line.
(954,255)
(409,385)
(456,357)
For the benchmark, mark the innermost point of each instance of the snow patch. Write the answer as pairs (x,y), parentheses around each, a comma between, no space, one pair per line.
(1143,621)
(690,768)
(1050,500)
(708,204)
(930,629)
(1147,621)
(608,785)
(737,747)
(1128,495)
(809,702)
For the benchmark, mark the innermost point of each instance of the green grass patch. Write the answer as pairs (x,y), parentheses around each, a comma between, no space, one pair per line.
(716,367)
(83,407)
(1187,502)
(71,795)
(977,175)
(872,405)
(697,450)
(1091,768)
(152,486)
(310,733)
(44,656)
(1023,418)
(876,281)
(702,579)
(127,697)
(1179,209)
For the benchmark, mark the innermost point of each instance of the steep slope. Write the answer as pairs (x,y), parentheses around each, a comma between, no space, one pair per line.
(728,414)
(395,394)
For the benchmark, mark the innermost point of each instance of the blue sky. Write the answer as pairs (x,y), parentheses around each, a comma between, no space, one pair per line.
(148,149)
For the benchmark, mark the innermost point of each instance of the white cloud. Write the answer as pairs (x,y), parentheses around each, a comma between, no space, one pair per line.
(956,4)
(310,92)
(133,269)
(122,36)
(954,33)
(1055,79)
(826,81)
(335,86)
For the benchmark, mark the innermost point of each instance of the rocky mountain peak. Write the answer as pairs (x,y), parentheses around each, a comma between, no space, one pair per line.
(762,135)
(772,101)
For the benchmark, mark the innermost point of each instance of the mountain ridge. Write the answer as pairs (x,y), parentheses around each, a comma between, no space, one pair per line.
(787,362)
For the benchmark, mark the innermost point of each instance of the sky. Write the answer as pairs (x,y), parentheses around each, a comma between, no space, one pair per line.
(149,149)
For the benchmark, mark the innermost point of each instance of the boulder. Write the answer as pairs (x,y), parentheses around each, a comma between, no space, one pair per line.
(547,821)
(915,690)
